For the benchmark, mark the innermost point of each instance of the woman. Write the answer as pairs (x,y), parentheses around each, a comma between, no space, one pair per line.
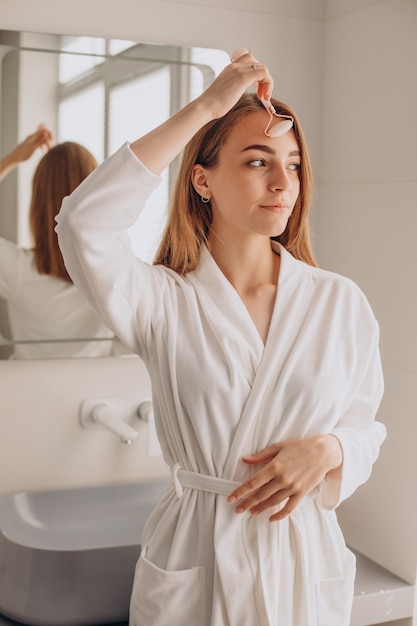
(265,369)
(46,311)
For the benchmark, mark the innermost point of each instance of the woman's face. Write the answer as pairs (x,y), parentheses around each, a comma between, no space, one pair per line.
(256,183)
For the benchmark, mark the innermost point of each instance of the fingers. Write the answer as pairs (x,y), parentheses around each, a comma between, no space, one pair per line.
(290,470)
(269,496)
(41,138)
(231,83)
(263,456)
(290,506)
(44,137)
(254,488)
(265,84)
(261,75)
(238,53)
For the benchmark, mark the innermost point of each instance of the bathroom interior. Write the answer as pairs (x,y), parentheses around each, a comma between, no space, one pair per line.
(349,68)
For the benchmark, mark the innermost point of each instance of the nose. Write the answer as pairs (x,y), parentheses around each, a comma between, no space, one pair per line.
(280,179)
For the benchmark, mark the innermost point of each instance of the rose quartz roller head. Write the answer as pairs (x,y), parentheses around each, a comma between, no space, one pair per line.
(280,128)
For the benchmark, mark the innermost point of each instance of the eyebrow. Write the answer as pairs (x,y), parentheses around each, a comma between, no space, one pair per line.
(268,149)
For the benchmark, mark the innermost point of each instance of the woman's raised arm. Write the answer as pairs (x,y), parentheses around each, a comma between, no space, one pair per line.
(159,147)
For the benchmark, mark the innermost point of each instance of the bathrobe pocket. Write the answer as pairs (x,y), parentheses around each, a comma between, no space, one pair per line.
(166,598)
(335,595)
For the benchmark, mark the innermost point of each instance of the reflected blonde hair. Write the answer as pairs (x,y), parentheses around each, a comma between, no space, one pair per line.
(59,172)
(189,218)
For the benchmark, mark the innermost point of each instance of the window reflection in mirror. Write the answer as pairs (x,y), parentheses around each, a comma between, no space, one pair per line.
(99,93)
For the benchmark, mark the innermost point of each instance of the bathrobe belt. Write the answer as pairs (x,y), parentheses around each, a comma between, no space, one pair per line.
(183,478)
(194,480)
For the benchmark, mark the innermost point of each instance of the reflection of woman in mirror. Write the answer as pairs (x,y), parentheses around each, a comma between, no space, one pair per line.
(265,369)
(42,302)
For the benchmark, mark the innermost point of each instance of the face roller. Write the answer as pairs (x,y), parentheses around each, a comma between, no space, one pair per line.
(281,127)
(287,120)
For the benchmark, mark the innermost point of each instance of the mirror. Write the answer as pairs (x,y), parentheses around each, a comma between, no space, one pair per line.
(99,93)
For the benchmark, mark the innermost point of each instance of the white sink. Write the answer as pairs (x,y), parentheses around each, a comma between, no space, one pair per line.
(67,557)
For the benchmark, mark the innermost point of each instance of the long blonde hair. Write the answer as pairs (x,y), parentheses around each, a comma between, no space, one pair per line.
(189,218)
(59,172)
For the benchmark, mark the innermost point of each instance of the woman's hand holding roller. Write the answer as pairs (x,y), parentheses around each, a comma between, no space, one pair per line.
(244,71)
(158,148)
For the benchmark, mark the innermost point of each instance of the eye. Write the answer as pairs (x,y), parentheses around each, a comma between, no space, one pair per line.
(257,163)
(295,167)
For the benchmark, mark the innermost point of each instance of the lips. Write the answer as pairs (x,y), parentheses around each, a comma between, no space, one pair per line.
(275,208)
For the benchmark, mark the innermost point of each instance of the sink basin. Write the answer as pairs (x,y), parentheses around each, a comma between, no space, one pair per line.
(68,557)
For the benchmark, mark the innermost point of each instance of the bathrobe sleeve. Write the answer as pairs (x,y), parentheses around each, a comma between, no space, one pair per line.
(359,434)
(92,233)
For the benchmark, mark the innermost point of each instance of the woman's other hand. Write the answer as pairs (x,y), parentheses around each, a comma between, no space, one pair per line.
(290,470)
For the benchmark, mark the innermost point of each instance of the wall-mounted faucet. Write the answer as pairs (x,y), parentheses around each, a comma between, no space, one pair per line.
(103,415)
(145,411)
(120,416)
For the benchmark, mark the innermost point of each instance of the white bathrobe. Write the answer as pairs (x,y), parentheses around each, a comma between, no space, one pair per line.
(220,393)
(47,315)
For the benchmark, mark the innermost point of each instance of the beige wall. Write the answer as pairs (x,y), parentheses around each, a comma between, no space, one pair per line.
(349,68)
(42,443)
(367,222)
